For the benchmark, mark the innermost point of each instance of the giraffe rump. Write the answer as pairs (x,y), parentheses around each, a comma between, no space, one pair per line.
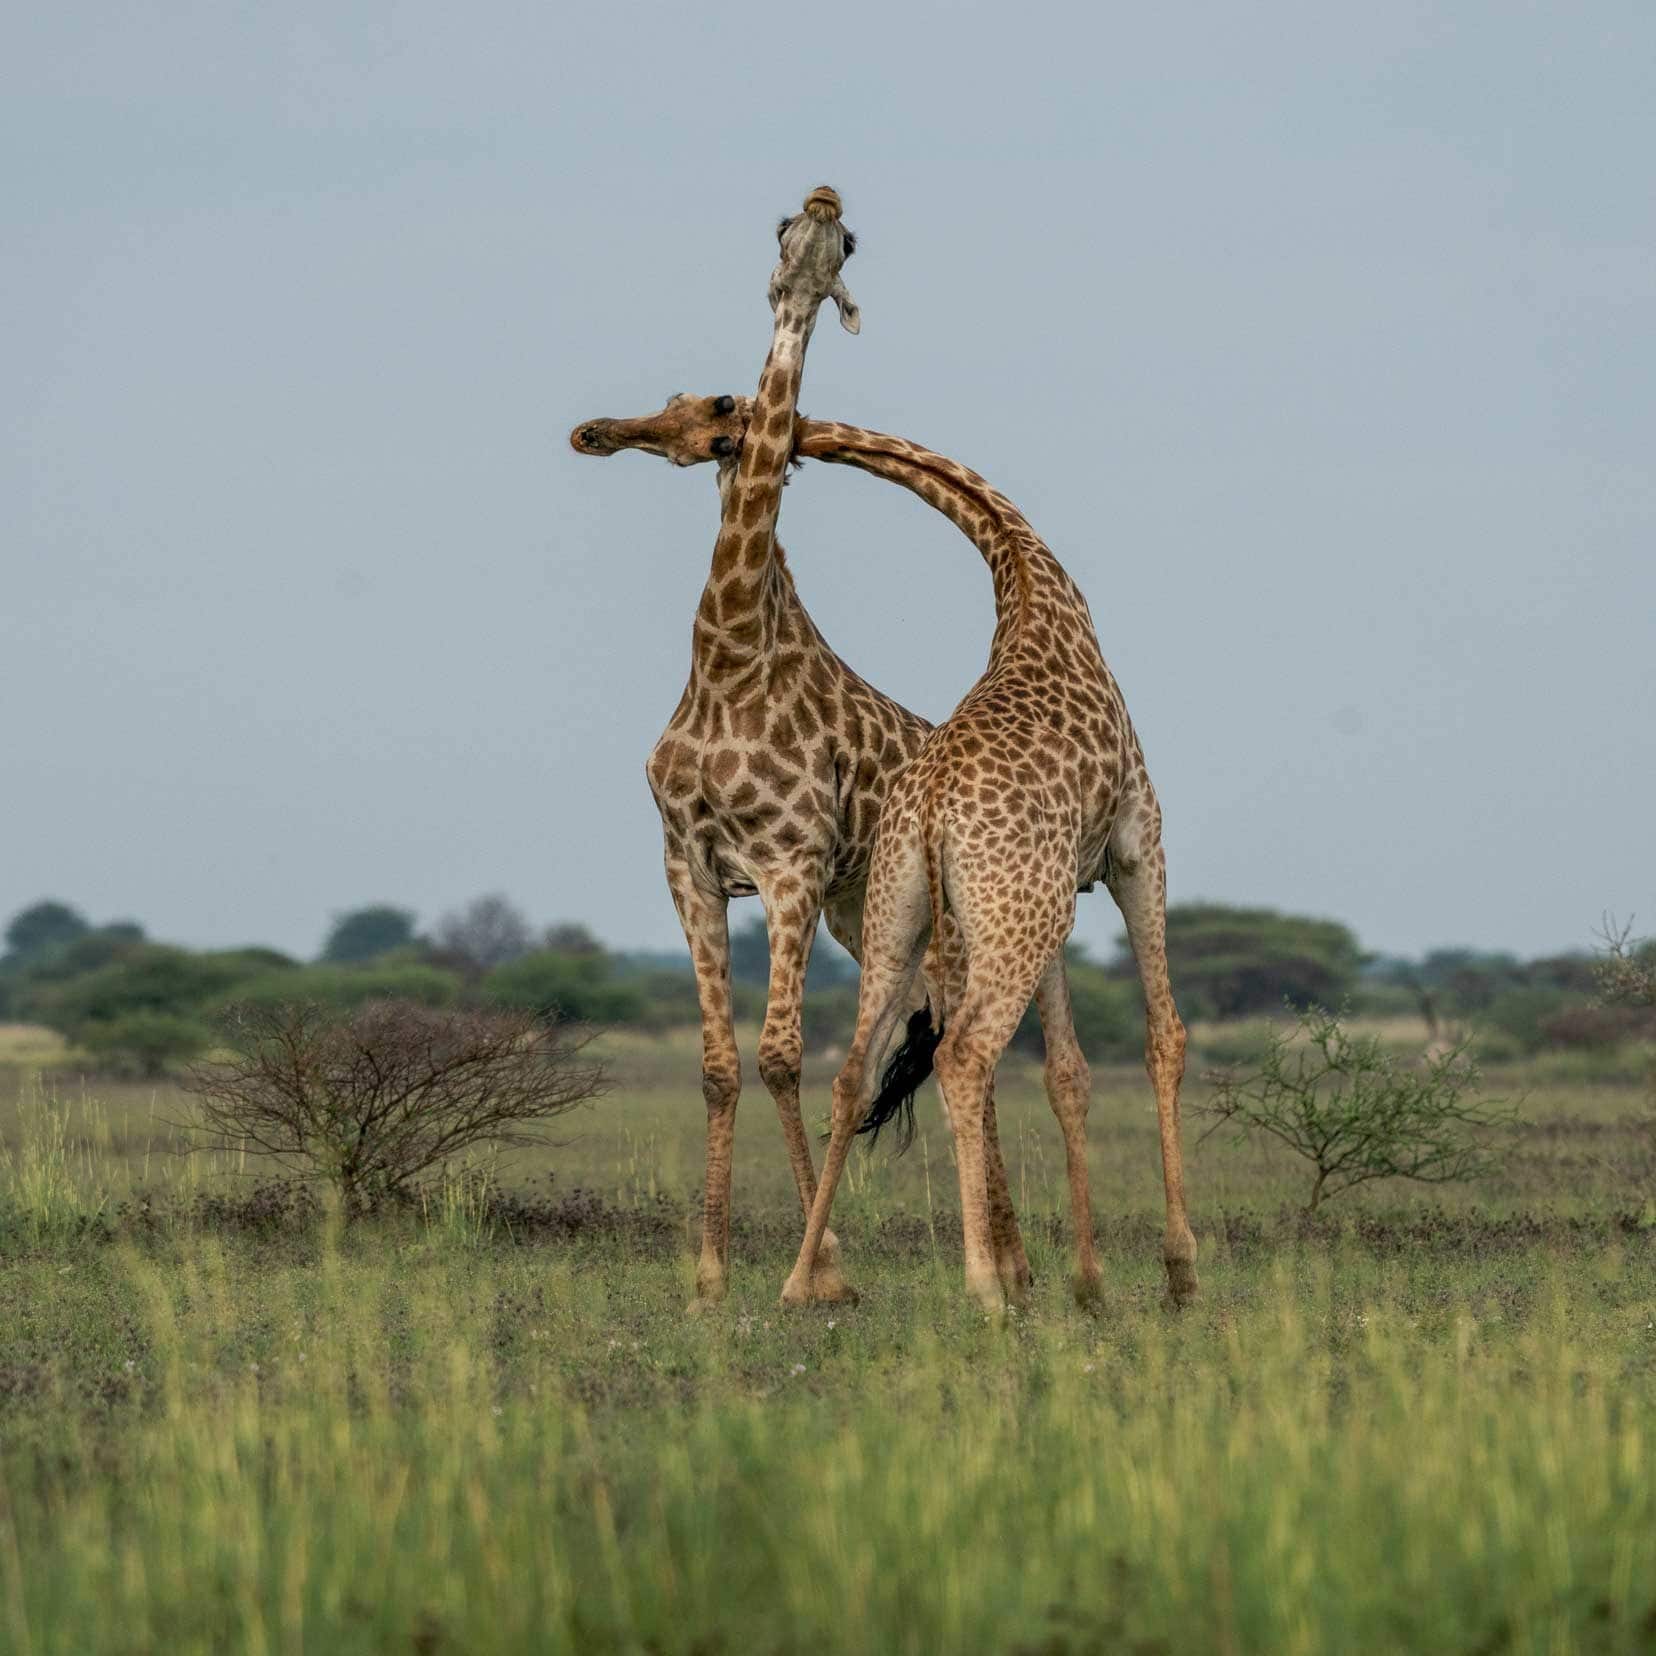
(904,1075)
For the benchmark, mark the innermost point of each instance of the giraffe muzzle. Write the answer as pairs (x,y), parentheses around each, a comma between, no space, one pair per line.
(595,437)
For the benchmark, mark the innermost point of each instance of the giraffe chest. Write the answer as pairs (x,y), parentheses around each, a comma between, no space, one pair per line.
(788,780)
(742,796)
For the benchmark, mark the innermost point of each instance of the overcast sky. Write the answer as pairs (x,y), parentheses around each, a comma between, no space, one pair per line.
(1319,341)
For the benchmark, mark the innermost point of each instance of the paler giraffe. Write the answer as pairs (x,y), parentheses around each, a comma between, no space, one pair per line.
(770,774)
(1032,789)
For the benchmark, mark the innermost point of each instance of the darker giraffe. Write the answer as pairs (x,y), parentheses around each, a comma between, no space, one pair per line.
(770,773)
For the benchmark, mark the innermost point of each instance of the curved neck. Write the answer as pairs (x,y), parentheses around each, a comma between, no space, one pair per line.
(1027,577)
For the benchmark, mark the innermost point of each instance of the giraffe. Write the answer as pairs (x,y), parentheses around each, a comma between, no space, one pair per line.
(769,776)
(1033,788)
(855,739)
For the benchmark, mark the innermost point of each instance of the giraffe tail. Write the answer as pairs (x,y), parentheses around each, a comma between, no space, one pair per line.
(905,1073)
(909,1066)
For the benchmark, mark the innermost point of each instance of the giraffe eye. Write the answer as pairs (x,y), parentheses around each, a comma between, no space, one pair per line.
(724,405)
(850,244)
(723,446)
(782,227)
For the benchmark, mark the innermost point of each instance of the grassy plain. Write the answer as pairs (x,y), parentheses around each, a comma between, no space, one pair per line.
(1422,1421)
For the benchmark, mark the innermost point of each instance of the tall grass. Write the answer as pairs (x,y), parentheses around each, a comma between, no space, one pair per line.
(448,1451)
(52,1184)
(439,1431)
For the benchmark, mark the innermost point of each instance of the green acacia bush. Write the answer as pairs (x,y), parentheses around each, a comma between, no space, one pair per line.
(1356,1112)
(1108,1012)
(122,1008)
(828,1017)
(345,987)
(1228,962)
(575,988)
(1523,1017)
(144,1044)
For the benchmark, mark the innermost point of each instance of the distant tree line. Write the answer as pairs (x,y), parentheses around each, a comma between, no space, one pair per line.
(136,1005)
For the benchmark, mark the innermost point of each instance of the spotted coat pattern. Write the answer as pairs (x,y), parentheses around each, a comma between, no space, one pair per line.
(1033,788)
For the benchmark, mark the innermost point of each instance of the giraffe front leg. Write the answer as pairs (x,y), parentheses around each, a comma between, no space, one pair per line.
(880,1003)
(706,929)
(790,927)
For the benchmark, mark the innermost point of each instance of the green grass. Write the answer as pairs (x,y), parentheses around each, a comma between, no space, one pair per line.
(1424,1422)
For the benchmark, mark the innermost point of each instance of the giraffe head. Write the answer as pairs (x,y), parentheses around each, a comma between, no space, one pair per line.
(815,244)
(687,431)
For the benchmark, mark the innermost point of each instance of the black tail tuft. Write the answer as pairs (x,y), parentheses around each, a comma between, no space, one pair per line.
(910,1064)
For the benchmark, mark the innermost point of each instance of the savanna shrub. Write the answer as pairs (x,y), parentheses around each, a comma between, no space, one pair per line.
(574,988)
(144,1044)
(374,1098)
(345,987)
(1357,1113)
(1108,1013)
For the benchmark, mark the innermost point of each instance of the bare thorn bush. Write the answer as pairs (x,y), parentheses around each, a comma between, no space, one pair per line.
(373,1098)
(1356,1113)
(1626,966)
(1626,969)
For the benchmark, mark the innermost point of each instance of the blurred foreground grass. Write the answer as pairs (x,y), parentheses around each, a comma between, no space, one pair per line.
(228,1424)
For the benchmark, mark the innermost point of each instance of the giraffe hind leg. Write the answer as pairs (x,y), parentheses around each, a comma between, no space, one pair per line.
(1011,1262)
(1137,878)
(1068,1089)
(896,925)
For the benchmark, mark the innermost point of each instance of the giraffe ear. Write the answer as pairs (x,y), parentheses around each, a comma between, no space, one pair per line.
(850,316)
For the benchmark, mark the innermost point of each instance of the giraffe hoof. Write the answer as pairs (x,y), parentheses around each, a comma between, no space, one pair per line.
(1016,1278)
(988,1295)
(1181,1282)
(1088,1288)
(1016,1285)
(825,1288)
(830,1288)
(710,1293)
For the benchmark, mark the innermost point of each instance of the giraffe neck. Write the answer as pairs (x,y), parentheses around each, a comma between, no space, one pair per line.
(1030,583)
(749,592)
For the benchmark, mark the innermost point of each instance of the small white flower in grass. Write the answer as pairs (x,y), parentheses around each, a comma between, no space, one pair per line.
(798,1368)
(129,1365)
(252,1368)
(1087,1368)
(496,1411)
(831,1322)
